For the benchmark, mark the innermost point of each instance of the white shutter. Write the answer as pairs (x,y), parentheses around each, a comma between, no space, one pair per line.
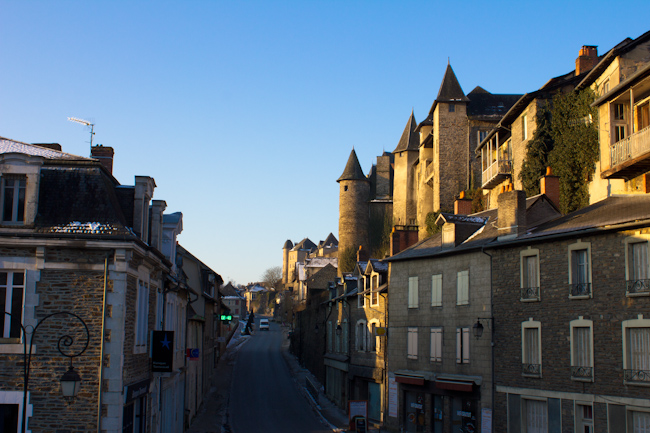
(459,345)
(436,344)
(413,292)
(412,343)
(462,288)
(436,290)
(465,345)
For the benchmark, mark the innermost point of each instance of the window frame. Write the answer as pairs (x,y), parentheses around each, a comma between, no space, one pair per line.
(524,127)
(531,324)
(374,294)
(532,293)
(630,411)
(577,371)
(524,412)
(413,289)
(19,192)
(633,286)
(10,335)
(374,344)
(572,251)
(361,336)
(579,419)
(141,328)
(638,323)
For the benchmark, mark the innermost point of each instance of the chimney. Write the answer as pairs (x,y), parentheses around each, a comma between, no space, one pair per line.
(362,255)
(550,187)
(157,209)
(53,146)
(587,59)
(144,186)
(402,238)
(511,214)
(462,205)
(105,155)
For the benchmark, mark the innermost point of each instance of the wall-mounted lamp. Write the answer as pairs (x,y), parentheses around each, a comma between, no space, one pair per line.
(477,329)
(339,329)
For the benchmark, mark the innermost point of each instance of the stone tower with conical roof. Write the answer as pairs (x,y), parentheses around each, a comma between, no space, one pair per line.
(354,195)
(288,245)
(404,187)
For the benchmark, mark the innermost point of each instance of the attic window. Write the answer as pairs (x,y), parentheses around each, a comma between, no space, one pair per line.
(452,108)
(13,199)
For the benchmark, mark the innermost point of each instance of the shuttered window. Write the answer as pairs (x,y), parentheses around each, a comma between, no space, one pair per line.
(436,344)
(436,290)
(462,345)
(462,288)
(412,344)
(413,292)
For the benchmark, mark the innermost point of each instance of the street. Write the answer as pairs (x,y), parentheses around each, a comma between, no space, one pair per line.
(264,396)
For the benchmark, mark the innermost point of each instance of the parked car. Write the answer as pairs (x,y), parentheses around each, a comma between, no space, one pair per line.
(264,324)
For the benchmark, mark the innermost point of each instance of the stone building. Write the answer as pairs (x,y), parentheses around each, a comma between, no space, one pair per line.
(78,245)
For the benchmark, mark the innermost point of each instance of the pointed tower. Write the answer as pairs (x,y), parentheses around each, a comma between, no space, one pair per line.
(404,186)
(354,194)
(444,151)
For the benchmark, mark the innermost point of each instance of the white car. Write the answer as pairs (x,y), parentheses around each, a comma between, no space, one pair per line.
(264,324)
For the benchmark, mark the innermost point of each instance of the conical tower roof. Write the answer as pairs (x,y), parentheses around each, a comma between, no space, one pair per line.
(352,169)
(410,139)
(450,90)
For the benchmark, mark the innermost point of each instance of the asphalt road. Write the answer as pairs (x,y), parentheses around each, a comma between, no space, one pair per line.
(264,396)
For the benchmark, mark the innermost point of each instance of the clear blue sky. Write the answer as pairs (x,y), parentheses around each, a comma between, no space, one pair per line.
(245,112)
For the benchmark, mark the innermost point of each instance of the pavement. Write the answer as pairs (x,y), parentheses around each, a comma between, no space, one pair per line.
(213,415)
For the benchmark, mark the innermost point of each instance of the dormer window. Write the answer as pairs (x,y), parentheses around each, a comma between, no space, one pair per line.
(13,199)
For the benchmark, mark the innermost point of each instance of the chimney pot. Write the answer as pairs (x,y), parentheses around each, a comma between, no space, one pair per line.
(105,156)
(549,185)
(587,59)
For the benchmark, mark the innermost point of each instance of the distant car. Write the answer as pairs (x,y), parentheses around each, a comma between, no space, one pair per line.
(264,324)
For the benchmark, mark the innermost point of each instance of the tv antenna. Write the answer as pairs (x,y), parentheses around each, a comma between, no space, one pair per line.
(92,129)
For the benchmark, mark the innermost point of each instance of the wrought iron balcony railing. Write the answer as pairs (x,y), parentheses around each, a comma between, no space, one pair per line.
(637,286)
(581,289)
(531,369)
(579,372)
(530,293)
(641,376)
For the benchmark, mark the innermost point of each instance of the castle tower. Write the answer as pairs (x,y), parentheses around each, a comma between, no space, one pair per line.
(354,194)
(445,152)
(404,186)
(285,261)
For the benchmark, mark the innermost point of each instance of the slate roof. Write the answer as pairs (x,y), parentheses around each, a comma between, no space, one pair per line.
(321,262)
(287,245)
(229,290)
(613,213)
(330,240)
(11,146)
(488,106)
(353,169)
(450,90)
(410,139)
(304,244)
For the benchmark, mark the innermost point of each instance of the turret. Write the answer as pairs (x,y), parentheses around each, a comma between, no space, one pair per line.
(285,261)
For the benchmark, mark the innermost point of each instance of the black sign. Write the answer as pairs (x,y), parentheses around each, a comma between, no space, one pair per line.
(136,390)
(162,351)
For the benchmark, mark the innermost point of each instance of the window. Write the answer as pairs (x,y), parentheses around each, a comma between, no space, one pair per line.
(639,421)
(413,292)
(12,289)
(584,418)
(344,332)
(619,112)
(362,336)
(374,294)
(452,108)
(412,343)
(462,345)
(13,199)
(436,290)
(605,87)
(524,127)
(638,268)
(636,351)
(531,348)
(620,132)
(580,269)
(142,318)
(581,337)
(535,418)
(530,286)
(373,339)
(481,136)
(329,337)
(462,288)
(361,300)
(337,340)
(436,344)
(9,417)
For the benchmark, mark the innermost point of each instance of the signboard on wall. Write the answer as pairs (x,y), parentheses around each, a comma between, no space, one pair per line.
(162,351)
(357,408)
(392,397)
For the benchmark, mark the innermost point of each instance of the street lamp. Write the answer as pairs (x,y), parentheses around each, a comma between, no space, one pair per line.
(478,327)
(70,381)
(339,329)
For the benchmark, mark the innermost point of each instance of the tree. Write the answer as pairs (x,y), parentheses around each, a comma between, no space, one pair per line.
(272,277)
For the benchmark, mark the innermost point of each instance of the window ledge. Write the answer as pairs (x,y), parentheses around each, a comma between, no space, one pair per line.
(634,383)
(582,379)
(580,297)
(636,294)
(529,300)
(532,376)
(10,347)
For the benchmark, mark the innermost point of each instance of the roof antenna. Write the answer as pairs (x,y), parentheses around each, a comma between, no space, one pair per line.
(92,129)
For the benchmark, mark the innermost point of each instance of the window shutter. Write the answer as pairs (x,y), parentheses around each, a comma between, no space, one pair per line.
(413,292)
(436,290)
(462,290)
(459,346)
(465,345)
(436,344)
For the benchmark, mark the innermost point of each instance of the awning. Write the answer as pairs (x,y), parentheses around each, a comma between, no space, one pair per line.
(409,379)
(455,385)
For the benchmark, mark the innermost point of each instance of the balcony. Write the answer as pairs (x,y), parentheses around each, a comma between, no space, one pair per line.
(637,376)
(496,173)
(428,172)
(581,290)
(629,157)
(529,294)
(638,287)
(582,373)
(534,370)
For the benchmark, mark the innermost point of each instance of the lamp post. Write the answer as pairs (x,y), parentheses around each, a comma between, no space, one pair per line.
(70,381)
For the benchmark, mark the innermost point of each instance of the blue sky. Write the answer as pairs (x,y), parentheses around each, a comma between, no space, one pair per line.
(245,112)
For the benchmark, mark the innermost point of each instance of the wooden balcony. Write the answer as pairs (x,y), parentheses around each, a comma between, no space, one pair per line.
(496,173)
(629,157)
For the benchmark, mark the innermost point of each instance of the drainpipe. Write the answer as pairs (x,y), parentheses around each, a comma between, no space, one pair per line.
(492,333)
(101,347)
